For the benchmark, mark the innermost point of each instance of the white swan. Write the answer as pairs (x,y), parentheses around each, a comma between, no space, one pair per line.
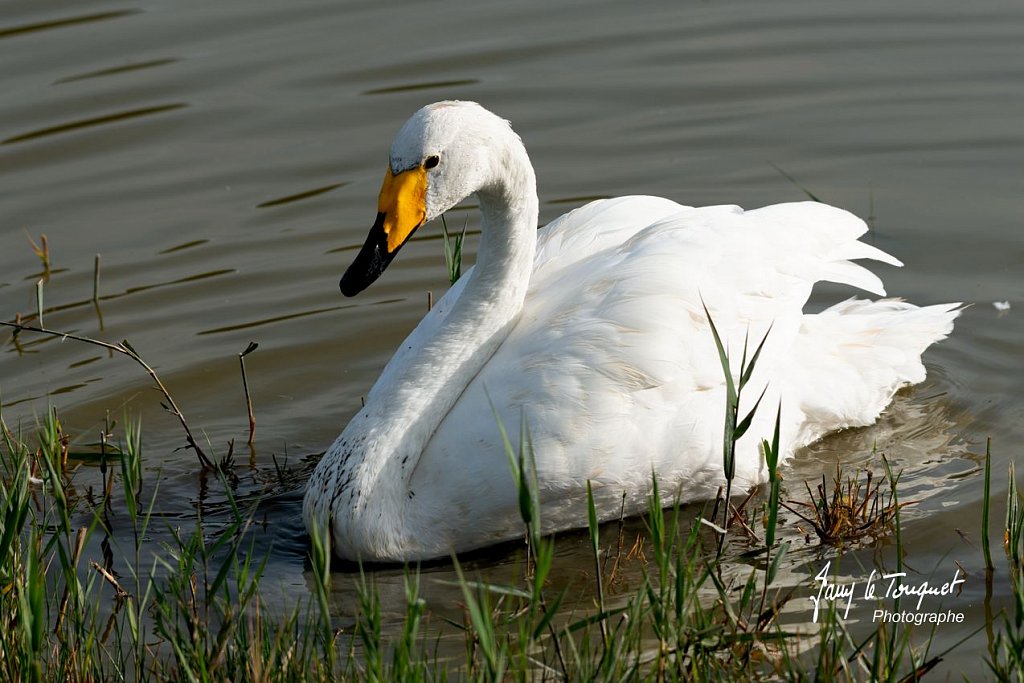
(592,329)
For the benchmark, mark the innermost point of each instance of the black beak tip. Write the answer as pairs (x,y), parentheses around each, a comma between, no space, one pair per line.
(348,285)
(369,263)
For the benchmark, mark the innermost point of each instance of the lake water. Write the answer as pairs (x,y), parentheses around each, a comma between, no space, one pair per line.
(224,158)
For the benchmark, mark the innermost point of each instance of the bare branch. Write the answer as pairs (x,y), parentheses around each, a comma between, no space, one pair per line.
(126,349)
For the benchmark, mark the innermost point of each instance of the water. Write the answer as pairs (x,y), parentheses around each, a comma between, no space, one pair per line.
(224,159)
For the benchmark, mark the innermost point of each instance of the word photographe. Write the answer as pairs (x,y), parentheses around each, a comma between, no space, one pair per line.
(877,586)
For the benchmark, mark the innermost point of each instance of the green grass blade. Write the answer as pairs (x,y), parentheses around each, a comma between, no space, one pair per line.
(748,369)
(773,568)
(723,358)
(744,424)
(595,547)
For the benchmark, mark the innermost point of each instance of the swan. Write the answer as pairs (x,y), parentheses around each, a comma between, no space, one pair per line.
(591,332)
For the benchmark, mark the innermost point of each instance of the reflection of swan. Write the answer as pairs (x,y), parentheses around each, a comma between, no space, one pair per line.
(591,332)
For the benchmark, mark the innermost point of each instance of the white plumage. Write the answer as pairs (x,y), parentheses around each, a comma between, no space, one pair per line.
(592,330)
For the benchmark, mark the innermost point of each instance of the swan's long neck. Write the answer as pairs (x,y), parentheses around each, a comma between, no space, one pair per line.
(365,475)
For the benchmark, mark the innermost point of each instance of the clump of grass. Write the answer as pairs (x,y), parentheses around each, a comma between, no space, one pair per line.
(850,510)
(1006,657)
(1006,653)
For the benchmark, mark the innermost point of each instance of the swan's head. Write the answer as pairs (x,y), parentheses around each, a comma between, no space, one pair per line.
(445,152)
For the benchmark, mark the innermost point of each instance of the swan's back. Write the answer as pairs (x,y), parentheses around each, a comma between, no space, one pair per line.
(613,367)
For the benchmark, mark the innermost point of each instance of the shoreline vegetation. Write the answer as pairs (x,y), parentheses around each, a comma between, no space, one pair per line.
(193,609)
(715,596)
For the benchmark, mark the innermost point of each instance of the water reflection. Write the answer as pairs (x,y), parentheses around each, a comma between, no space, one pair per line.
(116,70)
(408,87)
(93,122)
(27,319)
(12,31)
(300,195)
(183,247)
(277,319)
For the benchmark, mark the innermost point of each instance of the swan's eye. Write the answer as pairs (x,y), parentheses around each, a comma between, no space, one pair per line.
(431,161)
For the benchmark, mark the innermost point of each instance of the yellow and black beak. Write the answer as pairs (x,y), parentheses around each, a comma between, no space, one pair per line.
(401,208)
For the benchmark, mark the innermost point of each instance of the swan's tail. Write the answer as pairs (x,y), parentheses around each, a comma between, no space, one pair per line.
(851,359)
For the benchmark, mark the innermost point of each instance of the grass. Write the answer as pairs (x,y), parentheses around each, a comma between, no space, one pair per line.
(735,427)
(453,250)
(193,609)
(855,509)
(190,610)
